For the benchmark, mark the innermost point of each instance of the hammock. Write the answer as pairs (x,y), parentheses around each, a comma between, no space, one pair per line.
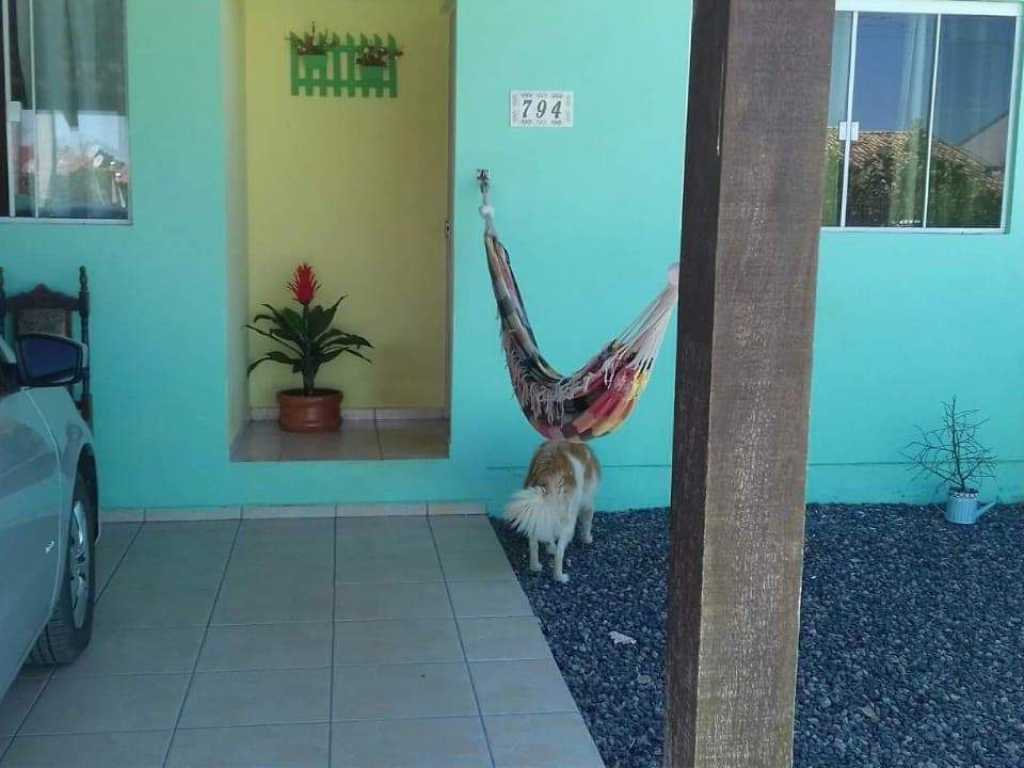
(597,399)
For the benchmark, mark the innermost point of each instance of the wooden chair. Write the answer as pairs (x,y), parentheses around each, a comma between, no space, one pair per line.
(43,310)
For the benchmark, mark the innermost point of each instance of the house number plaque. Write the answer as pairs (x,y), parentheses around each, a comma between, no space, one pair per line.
(542,109)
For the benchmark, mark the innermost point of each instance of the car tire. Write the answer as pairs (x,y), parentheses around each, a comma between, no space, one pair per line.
(70,627)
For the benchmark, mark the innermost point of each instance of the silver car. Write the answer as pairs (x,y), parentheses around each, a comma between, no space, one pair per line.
(48,507)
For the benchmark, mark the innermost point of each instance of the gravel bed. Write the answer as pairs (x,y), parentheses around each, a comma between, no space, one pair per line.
(911,645)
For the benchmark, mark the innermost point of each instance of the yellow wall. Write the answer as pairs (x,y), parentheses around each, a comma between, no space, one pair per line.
(358,188)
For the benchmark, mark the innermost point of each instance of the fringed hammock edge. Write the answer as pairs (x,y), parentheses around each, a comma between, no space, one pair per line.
(597,399)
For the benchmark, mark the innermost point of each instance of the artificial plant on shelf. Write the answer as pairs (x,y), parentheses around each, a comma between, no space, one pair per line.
(954,454)
(307,339)
(377,55)
(314,43)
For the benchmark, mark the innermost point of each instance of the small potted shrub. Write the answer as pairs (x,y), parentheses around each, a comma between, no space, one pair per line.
(307,340)
(954,454)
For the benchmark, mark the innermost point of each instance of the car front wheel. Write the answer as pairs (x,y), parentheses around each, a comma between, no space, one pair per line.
(70,627)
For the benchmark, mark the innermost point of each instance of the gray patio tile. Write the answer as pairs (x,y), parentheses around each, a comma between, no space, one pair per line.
(285,541)
(254,446)
(489,598)
(115,538)
(369,529)
(274,598)
(377,537)
(163,532)
(219,699)
(276,569)
(446,526)
(123,607)
(412,444)
(307,529)
(106,564)
(521,687)
(18,701)
(383,569)
(355,441)
(143,749)
(542,741)
(476,565)
(403,690)
(446,743)
(391,601)
(267,646)
(395,642)
(454,540)
(168,573)
(280,746)
(505,639)
(102,704)
(136,652)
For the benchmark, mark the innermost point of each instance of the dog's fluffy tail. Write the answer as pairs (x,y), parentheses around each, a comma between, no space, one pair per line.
(533,512)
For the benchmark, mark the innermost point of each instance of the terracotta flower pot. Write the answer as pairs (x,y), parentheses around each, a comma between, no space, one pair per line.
(319,412)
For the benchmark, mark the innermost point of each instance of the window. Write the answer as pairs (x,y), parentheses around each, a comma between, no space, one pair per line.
(64,143)
(920,115)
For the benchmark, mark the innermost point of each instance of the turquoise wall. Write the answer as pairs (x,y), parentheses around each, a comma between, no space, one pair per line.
(592,218)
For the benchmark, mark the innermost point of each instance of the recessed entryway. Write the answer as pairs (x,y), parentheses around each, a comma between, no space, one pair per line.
(354,181)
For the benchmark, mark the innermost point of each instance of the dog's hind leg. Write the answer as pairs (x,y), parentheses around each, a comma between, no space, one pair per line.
(563,542)
(586,523)
(534,556)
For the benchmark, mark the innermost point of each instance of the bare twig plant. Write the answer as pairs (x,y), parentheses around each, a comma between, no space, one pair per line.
(953,452)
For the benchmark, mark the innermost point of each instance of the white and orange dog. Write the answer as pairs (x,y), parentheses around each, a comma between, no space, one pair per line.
(559,490)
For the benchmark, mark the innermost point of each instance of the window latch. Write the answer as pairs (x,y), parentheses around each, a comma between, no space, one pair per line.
(849,130)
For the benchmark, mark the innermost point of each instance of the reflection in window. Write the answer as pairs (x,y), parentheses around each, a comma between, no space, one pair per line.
(891,102)
(972,121)
(69,153)
(901,158)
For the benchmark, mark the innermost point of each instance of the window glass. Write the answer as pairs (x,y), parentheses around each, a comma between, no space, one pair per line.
(23,117)
(835,146)
(891,107)
(972,121)
(70,132)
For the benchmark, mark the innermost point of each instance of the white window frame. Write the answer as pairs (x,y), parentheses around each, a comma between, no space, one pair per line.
(34,220)
(940,8)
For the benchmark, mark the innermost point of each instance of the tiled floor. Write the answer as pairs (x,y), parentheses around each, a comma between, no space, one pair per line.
(358,440)
(349,642)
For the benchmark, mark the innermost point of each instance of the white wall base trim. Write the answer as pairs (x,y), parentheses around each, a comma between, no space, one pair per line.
(286,511)
(118,515)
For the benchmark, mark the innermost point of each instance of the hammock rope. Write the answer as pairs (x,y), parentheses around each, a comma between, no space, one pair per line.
(597,399)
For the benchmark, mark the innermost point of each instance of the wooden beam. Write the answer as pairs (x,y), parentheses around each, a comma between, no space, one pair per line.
(758,102)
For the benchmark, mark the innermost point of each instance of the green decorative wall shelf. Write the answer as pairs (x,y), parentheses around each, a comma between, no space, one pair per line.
(326,64)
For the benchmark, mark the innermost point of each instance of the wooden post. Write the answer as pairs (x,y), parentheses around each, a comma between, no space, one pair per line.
(755,158)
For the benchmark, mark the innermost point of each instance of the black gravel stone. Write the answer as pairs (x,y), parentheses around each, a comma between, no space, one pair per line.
(911,643)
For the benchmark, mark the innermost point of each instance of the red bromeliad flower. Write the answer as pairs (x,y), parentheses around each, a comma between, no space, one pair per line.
(304,284)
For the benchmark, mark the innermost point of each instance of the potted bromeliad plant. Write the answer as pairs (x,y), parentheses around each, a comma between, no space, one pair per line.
(307,339)
(954,454)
